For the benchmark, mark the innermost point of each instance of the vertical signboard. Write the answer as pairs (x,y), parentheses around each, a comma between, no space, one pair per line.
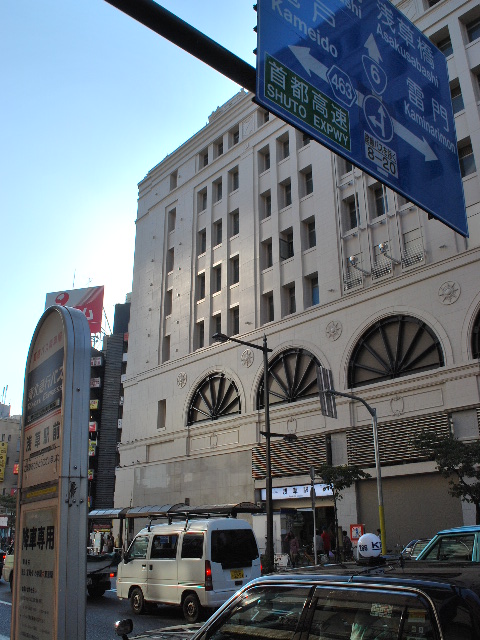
(361,79)
(51,533)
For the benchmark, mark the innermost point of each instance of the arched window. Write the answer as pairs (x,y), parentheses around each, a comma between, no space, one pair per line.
(215,397)
(292,376)
(476,337)
(394,347)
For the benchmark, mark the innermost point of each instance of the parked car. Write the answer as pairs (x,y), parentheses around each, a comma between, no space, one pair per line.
(460,544)
(391,603)
(192,563)
(100,570)
(413,548)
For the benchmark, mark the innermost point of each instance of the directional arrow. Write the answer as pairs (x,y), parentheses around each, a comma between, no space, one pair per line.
(312,65)
(372,49)
(420,144)
(308,62)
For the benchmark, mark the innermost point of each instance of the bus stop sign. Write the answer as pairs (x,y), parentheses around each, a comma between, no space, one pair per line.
(361,79)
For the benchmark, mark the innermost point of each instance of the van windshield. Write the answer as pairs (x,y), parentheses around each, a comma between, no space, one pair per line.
(234,547)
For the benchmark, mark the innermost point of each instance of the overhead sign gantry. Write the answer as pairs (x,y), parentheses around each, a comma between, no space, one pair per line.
(362,80)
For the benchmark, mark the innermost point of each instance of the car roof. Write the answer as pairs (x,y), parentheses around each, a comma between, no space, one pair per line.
(468,529)
(426,576)
(196,525)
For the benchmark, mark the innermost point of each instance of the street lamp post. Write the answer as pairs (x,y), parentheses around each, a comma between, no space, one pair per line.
(373,412)
(221,337)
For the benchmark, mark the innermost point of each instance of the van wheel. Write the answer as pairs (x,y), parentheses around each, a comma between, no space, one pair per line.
(137,601)
(191,608)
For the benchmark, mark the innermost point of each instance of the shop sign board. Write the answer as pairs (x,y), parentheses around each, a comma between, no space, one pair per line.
(49,602)
(297,491)
(361,79)
(89,301)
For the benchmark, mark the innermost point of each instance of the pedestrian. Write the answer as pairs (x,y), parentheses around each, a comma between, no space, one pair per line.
(319,543)
(294,548)
(327,546)
(347,546)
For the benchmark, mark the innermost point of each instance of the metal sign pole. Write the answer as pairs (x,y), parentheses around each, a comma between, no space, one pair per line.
(312,494)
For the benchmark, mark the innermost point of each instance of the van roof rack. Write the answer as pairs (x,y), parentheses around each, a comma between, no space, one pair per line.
(183,510)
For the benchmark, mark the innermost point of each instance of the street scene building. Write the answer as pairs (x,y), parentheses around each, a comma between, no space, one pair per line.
(251,228)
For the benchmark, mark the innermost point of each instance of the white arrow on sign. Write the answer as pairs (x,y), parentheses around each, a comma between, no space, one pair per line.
(371,47)
(420,144)
(311,64)
(308,62)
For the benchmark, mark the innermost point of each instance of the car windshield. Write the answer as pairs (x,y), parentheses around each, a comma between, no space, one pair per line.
(455,547)
(343,613)
(263,612)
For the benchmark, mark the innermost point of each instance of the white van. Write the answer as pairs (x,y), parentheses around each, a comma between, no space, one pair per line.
(194,563)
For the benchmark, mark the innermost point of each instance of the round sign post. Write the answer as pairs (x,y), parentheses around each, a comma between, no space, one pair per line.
(49,602)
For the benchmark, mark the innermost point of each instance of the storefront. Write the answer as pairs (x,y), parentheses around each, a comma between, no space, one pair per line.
(292,512)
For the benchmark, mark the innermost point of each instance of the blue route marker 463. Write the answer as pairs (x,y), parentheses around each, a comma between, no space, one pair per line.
(362,80)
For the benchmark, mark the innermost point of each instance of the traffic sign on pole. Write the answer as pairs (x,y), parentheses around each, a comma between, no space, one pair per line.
(361,79)
(328,405)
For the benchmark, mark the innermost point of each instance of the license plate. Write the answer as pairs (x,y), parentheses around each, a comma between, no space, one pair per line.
(236,574)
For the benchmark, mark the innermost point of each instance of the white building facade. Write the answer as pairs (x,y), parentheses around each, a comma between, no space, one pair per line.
(250,228)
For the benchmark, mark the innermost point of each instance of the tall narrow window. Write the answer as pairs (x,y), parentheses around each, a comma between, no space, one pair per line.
(200,286)
(170,260)
(467,160)
(166,349)
(234,179)
(286,245)
(445,46)
(217,323)
(310,234)
(314,293)
(351,213)
(283,147)
(269,311)
(264,159)
(473,30)
(286,193)
(266,204)
(202,241)
(308,178)
(380,201)
(200,328)
(203,158)
(202,200)
(291,304)
(161,414)
(217,190)
(172,217)
(167,307)
(267,254)
(457,99)
(234,270)
(173,180)
(234,223)
(217,278)
(235,321)
(217,233)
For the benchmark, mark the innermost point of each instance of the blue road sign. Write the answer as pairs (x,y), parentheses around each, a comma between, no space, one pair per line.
(361,79)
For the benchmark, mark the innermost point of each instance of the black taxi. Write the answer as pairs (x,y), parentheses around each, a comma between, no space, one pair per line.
(389,602)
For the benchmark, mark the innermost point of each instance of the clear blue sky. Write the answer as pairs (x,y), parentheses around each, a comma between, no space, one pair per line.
(90,102)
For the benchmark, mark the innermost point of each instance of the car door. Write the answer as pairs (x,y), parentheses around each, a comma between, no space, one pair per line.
(133,569)
(162,569)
